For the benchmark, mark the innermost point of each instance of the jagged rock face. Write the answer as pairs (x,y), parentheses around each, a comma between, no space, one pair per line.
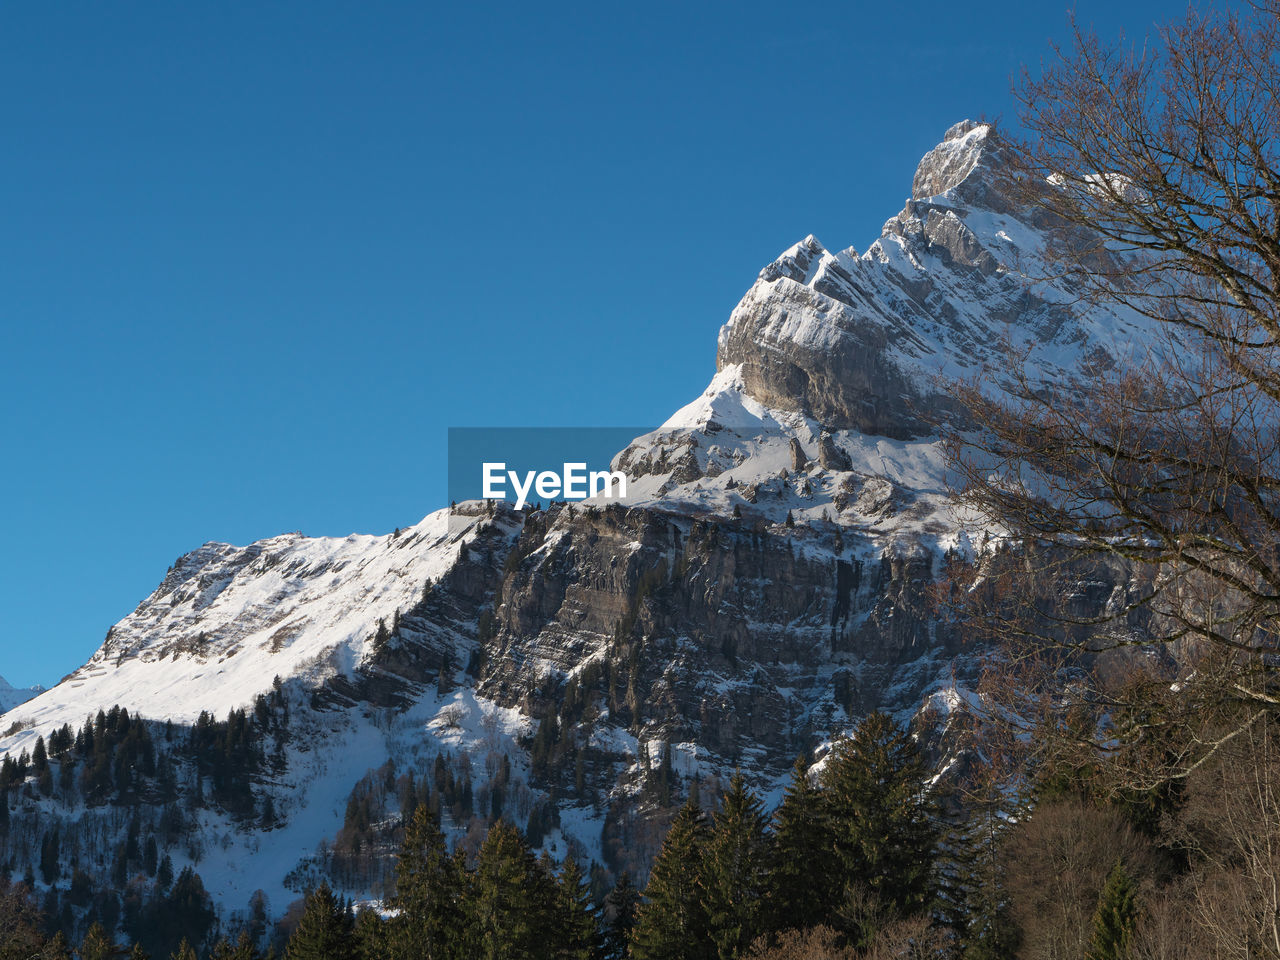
(742,642)
(856,342)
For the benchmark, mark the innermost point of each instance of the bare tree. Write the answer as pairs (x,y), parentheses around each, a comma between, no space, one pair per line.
(1230,826)
(1058,862)
(1156,474)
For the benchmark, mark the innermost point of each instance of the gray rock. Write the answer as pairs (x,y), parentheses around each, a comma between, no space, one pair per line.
(831,457)
(798,459)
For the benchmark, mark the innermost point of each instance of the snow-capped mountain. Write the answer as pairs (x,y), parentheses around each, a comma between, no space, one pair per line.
(11,696)
(835,366)
(226,621)
(577,667)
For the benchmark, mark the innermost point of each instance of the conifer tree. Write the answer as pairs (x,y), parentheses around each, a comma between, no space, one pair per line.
(371,936)
(50,852)
(804,859)
(510,898)
(184,952)
(151,856)
(326,930)
(96,945)
(620,911)
(579,930)
(185,912)
(429,895)
(137,953)
(57,949)
(1114,920)
(882,819)
(244,949)
(978,900)
(734,880)
(670,921)
(164,875)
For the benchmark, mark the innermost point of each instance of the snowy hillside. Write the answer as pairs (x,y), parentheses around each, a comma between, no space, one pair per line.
(226,621)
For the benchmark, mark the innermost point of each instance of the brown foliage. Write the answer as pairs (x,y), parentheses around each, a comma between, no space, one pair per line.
(914,939)
(819,943)
(21,936)
(1057,863)
(1229,825)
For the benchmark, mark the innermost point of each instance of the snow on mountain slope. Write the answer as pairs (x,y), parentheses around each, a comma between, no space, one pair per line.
(227,620)
(833,368)
(11,696)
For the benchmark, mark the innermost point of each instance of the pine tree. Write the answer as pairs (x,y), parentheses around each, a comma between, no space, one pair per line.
(510,898)
(164,875)
(371,936)
(50,852)
(670,921)
(326,930)
(1114,920)
(96,945)
(620,911)
(882,819)
(978,901)
(734,880)
(187,911)
(429,895)
(804,855)
(244,949)
(151,856)
(57,949)
(137,953)
(578,928)
(184,952)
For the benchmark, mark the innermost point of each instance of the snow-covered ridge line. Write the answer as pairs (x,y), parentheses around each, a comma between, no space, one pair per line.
(832,371)
(227,620)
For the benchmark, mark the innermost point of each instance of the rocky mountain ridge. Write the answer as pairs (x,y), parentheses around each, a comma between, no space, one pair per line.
(581,666)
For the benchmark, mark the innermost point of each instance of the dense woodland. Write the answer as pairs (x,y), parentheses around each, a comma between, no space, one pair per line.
(862,859)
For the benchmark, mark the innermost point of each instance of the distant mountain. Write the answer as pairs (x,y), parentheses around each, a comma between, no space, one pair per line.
(575,669)
(11,696)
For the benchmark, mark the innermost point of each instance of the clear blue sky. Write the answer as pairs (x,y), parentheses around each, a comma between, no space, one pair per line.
(255,259)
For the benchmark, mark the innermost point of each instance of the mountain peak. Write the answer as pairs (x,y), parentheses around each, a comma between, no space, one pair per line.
(945,167)
(797,262)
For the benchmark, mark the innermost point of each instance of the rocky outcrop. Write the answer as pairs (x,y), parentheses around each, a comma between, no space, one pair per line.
(830,456)
(857,342)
